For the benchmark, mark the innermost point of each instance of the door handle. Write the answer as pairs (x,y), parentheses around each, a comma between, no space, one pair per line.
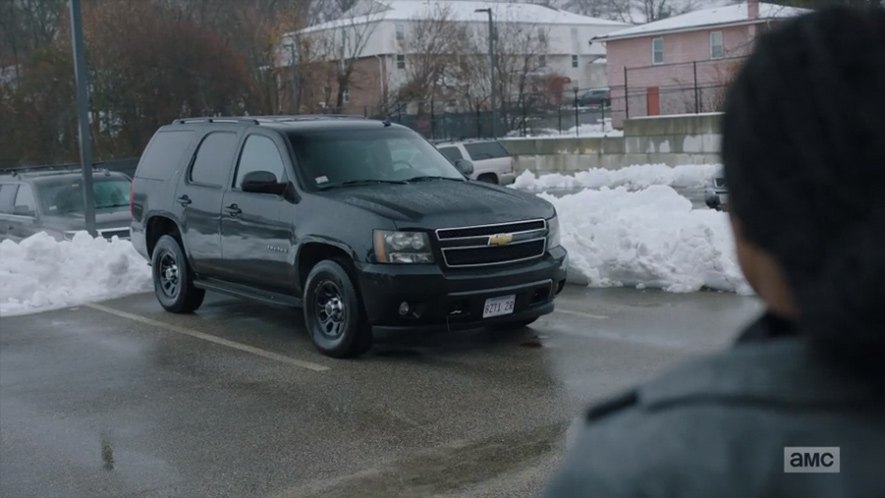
(185,200)
(233,210)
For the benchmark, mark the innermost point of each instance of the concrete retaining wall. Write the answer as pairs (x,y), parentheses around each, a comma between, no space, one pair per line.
(671,140)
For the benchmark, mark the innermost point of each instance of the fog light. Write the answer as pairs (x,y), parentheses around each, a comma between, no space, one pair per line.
(404,308)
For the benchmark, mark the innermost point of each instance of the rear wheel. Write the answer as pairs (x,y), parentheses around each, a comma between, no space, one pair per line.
(519,324)
(173,279)
(333,312)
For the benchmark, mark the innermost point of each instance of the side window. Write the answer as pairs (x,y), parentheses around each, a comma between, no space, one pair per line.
(7,196)
(164,154)
(24,202)
(213,161)
(486,150)
(451,153)
(259,154)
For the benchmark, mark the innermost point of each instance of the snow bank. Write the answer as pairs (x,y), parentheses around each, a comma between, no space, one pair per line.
(41,273)
(649,238)
(584,131)
(632,177)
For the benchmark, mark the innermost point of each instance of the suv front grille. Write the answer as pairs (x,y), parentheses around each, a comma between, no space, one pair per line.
(488,245)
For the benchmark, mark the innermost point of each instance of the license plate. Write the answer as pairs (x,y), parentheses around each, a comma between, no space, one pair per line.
(498,306)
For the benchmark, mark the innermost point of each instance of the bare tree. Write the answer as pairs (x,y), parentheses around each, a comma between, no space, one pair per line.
(520,49)
(343,43)
(433,44)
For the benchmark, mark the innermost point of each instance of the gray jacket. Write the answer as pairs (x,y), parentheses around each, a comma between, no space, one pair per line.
(717,427)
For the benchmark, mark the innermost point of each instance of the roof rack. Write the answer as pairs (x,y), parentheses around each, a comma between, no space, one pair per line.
(56,169)
(222,120)
(267,119)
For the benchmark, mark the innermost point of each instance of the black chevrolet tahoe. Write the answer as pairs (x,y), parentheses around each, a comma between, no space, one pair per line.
(361,223)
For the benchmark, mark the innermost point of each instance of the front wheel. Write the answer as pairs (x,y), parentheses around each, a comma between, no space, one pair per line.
(333,313)
(173,279)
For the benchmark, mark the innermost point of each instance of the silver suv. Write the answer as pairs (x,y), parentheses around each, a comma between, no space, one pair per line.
(491,161)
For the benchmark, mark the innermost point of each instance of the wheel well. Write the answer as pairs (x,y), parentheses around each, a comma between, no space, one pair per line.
(314,252)
(156,228)
(491,176)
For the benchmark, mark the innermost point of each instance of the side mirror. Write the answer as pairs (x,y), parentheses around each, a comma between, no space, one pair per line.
(264,182)
(464,166)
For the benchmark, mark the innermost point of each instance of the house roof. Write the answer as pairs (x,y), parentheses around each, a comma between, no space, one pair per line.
(464,11)
(700,19)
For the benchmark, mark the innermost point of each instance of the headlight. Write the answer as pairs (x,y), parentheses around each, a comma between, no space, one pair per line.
(402,247)
(553,233)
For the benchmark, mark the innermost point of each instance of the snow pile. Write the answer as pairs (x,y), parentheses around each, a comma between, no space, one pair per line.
(649,238)
(42,273)
(582,131)
(632,177)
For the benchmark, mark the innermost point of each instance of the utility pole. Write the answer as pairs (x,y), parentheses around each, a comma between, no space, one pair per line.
(492,71)
(296,100)
(82,83)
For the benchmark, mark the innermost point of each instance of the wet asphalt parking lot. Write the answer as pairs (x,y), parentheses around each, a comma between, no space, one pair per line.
(123,399)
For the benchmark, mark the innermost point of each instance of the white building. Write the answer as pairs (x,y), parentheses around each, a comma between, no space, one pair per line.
(376,34)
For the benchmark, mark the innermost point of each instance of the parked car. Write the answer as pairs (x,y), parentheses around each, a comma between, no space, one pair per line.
(51,201)
(717,194)
(324,213)
(491,161)
(595,98)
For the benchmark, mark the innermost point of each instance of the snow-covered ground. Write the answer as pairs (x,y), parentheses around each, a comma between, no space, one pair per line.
(584,131)
(631,177)
(650,238)
(41,273)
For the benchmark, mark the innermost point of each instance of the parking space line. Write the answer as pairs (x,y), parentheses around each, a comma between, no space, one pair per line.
(580,313)
(316,367)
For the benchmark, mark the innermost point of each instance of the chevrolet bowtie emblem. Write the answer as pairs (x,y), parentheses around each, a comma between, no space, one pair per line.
(500,239)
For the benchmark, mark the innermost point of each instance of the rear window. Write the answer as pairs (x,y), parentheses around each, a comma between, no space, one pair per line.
(485,150)
(164,154)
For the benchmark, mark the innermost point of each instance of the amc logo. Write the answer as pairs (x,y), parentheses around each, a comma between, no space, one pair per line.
(811,459)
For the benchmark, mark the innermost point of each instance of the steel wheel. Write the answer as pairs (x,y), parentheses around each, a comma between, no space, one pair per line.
(331,312)
(169,275)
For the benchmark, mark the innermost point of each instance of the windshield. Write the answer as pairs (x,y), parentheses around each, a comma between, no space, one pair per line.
(337,158)
(64,195)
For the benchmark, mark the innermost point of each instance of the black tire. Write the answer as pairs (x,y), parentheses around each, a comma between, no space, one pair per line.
(488,178)
(173,279)
(519,324)
(333,313)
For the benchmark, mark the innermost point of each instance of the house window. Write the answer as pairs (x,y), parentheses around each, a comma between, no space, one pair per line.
(574,61)
(716,49)
(345,96)
(542,60)
(400,32)
(657,51)
(542,35)
(400,61)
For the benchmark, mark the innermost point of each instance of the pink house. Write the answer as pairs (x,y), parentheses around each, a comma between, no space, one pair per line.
(683,64)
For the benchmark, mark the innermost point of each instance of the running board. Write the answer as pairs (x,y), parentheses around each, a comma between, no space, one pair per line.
(246,292)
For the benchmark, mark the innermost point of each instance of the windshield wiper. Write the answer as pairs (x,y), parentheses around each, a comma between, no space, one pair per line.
(426,178)
(354,183)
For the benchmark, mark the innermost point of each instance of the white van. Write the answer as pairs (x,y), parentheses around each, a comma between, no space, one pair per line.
(491,161)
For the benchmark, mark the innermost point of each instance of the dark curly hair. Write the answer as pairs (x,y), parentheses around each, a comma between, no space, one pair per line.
(804,154)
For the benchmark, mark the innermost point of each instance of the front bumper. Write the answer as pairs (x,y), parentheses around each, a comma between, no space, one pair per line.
(455,299)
